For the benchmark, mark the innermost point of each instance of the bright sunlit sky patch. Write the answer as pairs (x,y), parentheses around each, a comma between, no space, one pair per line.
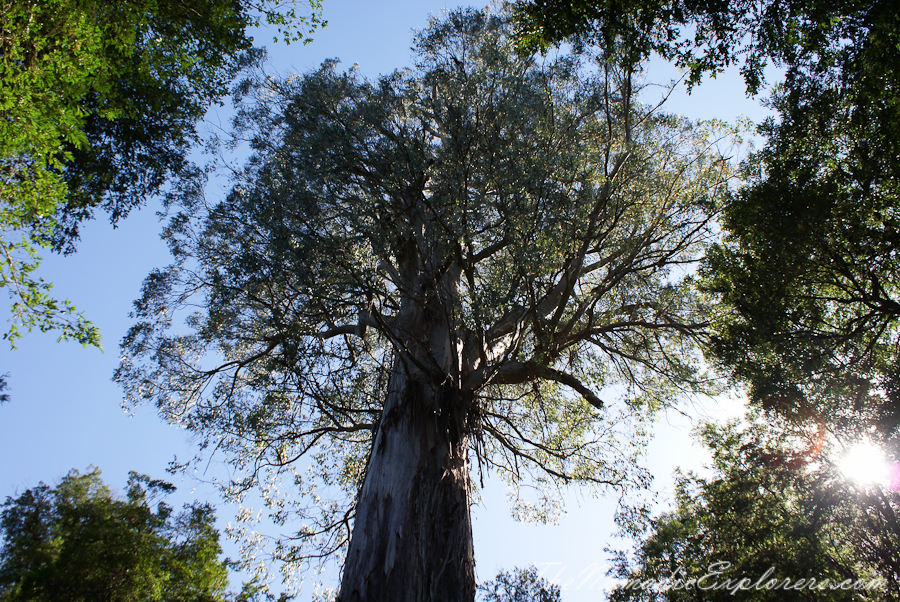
(65,412)
(865,464)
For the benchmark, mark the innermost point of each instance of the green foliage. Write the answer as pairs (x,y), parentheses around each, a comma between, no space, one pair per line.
(536,215)
(808,269)
(78,542)
(33,306)
(699,36)
(775,508)
(522,585)
(98,107)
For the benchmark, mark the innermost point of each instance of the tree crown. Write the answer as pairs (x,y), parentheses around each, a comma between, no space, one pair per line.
(517,230)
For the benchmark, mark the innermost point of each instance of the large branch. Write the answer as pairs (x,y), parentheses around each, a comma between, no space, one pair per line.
(488,251)
(555,300)
(514,373)
(366,319)
(514,319)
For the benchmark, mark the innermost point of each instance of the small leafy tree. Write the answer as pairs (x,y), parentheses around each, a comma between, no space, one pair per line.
(78,542)
(522,585)
(444,266)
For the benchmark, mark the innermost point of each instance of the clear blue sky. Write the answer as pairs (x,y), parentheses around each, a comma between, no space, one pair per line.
(65,412)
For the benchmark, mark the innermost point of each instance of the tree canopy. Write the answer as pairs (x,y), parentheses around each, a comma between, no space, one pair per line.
(807,269)
(808,265)
(99,103)
(79,542)
(449,264)
(706,37)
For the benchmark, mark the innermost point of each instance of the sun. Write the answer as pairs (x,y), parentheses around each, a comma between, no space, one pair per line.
(865,464)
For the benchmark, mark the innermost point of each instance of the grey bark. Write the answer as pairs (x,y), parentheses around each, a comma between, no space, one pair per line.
(412,535)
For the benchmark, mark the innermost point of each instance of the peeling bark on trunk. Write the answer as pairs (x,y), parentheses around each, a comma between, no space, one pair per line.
(412,538)
(412,535)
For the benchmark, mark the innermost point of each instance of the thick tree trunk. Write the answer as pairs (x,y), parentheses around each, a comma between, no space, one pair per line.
(412,538)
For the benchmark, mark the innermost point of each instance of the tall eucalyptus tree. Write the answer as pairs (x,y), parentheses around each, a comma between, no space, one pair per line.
(448,265)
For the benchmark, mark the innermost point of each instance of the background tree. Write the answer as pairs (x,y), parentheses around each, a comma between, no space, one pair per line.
(704,38)
(775,507)
(816,229)
(78,542)
(807,269)
(521,585)
(445,265)
(99,103)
